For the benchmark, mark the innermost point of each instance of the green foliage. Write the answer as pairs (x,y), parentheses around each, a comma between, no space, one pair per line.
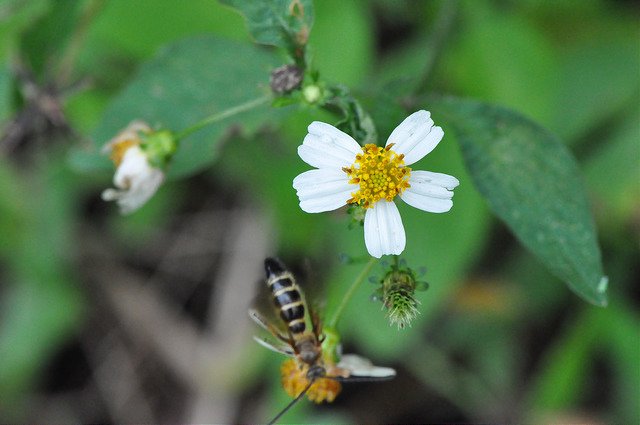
(504,59)
(42,305)
(186,82)
(5,94)
(609,67)
(42,42)
(344,24)
(282,23)
(568,366)
(532,182)
(15,17)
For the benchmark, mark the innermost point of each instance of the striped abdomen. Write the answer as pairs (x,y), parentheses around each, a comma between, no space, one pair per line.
(286,295)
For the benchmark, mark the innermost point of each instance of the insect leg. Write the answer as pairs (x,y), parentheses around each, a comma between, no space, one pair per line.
(291,404)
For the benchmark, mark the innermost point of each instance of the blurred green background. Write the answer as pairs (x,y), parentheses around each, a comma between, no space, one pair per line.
(105,318)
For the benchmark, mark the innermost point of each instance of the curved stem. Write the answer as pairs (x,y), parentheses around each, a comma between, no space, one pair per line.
(221,116)
(352,289)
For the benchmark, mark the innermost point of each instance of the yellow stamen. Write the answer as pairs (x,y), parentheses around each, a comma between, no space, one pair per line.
(380,173)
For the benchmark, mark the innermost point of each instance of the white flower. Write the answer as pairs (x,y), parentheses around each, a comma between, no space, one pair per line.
(135,178)
(372,177)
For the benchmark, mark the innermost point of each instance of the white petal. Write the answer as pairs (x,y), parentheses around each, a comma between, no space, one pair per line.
(415,137)
(327,147)
(360,366)
(323,190)
(137,181)
(383,230)
(438,179)
(430,191)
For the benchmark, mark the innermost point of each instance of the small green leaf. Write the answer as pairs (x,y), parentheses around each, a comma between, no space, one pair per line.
(532,182)
(282,23)
(187,81)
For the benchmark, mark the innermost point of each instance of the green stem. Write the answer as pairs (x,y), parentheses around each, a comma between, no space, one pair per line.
(352,290)
(221,116)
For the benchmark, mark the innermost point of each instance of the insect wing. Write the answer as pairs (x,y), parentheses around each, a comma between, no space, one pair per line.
(274,346)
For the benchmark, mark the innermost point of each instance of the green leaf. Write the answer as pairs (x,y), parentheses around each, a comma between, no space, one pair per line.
(187,81)
(532,182)
(282,23)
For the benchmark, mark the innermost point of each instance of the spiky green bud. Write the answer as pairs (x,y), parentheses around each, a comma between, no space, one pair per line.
(397,293)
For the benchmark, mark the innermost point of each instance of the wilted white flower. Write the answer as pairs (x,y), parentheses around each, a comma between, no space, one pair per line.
(372,177)
(136,180)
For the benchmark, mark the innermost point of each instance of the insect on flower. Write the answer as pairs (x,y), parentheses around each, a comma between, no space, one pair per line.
(315,366)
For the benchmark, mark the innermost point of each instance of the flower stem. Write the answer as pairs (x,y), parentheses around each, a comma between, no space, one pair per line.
(211,119)
(352,289)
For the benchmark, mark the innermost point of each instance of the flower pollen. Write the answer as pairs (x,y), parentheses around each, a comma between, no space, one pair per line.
(294,381)
(380,173)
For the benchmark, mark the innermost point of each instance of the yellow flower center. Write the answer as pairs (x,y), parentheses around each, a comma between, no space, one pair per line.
(380,173)
(118,150)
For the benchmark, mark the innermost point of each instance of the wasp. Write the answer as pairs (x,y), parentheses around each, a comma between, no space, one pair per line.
(313,367)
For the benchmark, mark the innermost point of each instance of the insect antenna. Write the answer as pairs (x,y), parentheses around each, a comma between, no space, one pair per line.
(291,403)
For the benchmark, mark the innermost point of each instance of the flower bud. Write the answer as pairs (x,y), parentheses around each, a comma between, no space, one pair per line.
(312,94)
(397,292)
(285,79)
